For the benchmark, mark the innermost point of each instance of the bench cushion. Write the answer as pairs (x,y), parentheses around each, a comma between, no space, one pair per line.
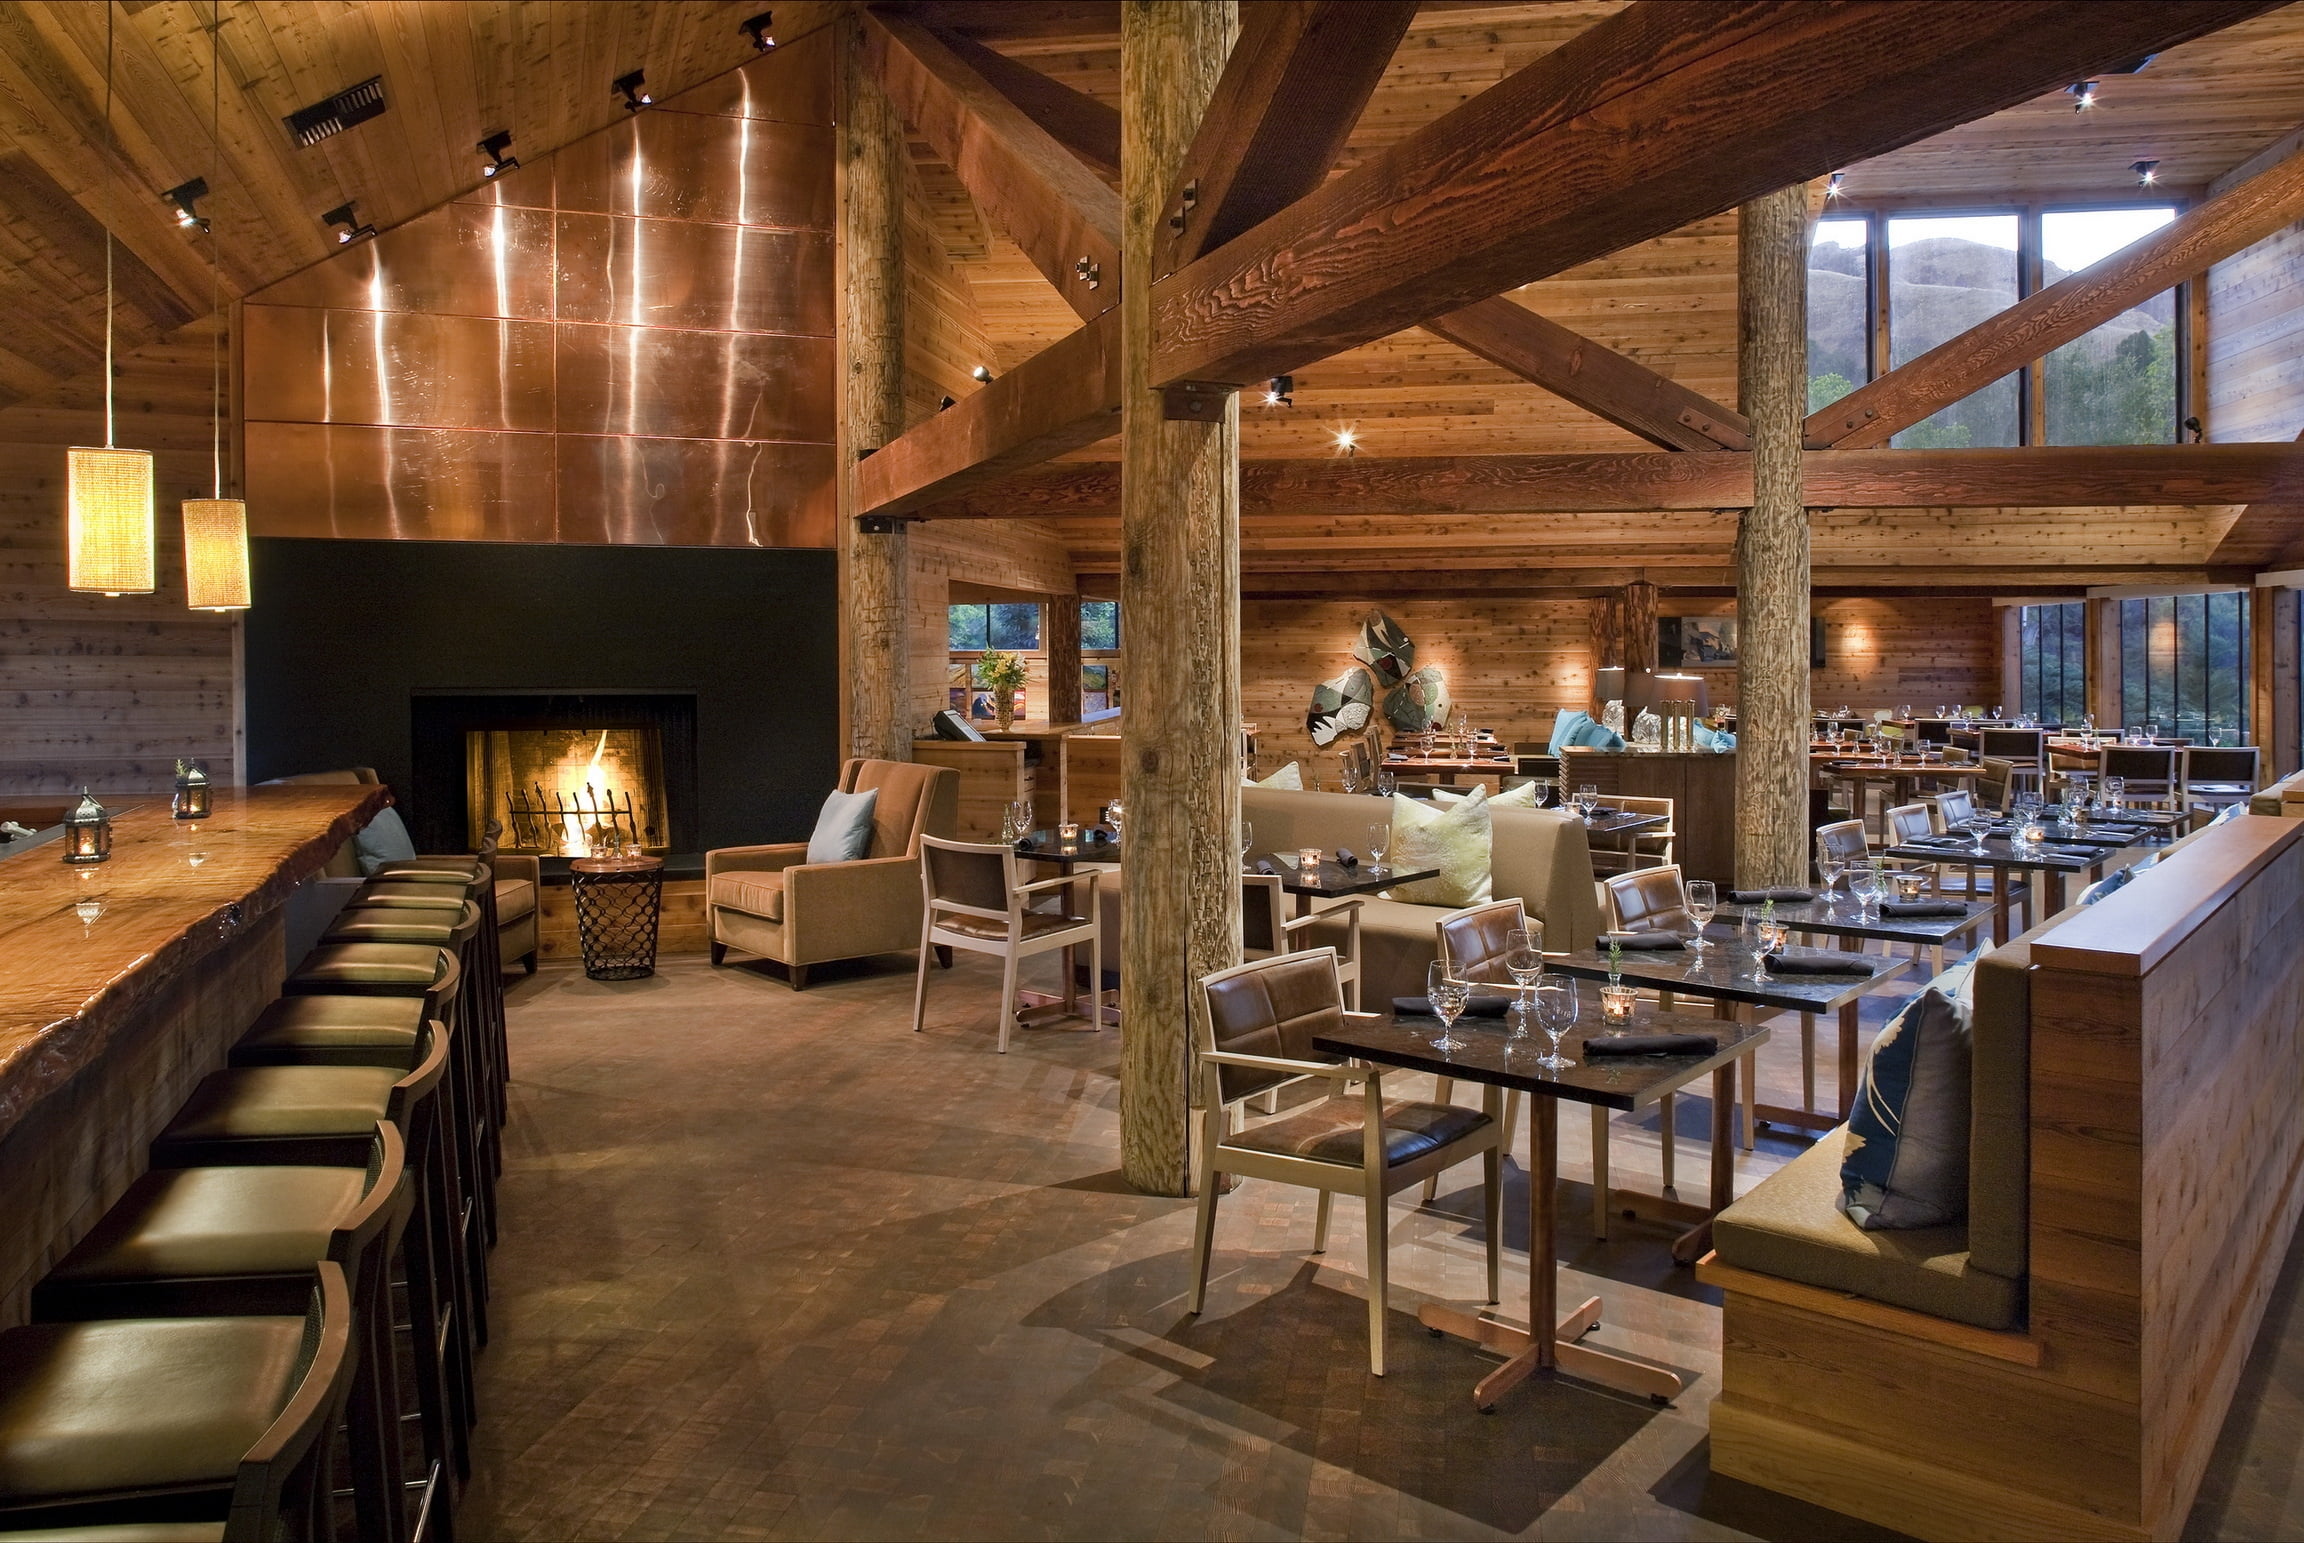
(515,898)
(755,894)
(1791,1226)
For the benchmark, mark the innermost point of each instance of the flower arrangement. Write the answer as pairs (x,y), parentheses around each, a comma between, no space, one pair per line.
(1002,673)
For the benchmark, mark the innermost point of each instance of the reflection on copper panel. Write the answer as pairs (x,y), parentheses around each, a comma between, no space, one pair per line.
(310,366)
(400,484)
(461,259)
(684,167)
(528,186)
(694,385)
(791,85)
(726,277)
(691,492)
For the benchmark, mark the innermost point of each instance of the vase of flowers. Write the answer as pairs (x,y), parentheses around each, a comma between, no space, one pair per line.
(1001,673)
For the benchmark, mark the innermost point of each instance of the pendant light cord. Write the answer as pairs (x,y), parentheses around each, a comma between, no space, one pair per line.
(112,148)
(215,254)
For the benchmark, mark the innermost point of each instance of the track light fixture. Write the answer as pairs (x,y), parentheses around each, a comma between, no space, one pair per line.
(945,403)
(760,29)
(2193,432)
(185,195)
(1282,392)
(981,372)
(494,147)
(1832,185)
(1347,442)
(2083,94)
(2147,173)
(343,215)
(634,89)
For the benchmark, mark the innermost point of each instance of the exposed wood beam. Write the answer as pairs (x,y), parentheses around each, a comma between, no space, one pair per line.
(2101,476)
(2067,309)
(1006,19)
(1595,377)
(1298,78)
(1670,111)
(79,235)
(1711,575)
(1047,201)
(1062,398)
(1088,128)
(2269,533)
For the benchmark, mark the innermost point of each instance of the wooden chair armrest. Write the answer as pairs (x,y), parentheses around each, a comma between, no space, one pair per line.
(1038,885)
(1335,1071)
(758,859)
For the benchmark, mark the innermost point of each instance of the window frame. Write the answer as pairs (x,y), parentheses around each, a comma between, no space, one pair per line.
(2172,714)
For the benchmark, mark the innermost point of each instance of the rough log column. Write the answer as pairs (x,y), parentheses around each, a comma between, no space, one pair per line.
(1772,545)
(1639,626)
(1062,639)
(1180,600)
(874,567)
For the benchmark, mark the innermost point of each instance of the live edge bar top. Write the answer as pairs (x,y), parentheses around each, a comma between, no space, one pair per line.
(67,986)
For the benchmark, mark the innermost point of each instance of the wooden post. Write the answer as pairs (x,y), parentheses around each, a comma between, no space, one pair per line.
(2011,697)
(875,567)
(1060,637)
(1180,605)
(2283,741)
(1639,626)
(1772,718)
(1607,623)
(2101,624)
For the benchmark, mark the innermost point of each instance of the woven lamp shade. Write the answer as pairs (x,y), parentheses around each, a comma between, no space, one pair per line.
(108,501)
(216,554)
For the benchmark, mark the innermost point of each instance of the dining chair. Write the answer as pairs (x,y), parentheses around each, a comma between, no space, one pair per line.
(1267,930)
(1997,780)
(2025,750)
(1639,849)
(2218,776)
(1254,1033)
(974,896)
(1656,900)
(2154,773)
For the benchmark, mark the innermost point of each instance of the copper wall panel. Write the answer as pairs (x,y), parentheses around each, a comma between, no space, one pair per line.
(791,85)
(693,385)
(310,366)
(409,484)
(694,492)
(679,166)
(678,273)
(460,260)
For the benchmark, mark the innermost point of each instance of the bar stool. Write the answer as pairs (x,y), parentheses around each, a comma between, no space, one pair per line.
(246,1239)
(486,965)
(241,1436)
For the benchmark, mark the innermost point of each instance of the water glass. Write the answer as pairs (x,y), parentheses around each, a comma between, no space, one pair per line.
(1524,960)
(1379,842)
(1829,866)
(1768,938)
(1247,841)
(1703,903)
(1587,799)
(1386,784)
(1447,996)
(1979,825)
(1556,1008)
(1864,885)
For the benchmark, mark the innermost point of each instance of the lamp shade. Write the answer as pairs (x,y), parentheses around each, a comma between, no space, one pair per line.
(216,554)
(108,503)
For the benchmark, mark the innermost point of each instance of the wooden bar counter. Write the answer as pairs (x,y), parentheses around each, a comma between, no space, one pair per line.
(107,1024)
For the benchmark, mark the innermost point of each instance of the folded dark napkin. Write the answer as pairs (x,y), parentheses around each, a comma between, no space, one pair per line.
(1602,811)
(1819,964)
(1786,893)
(1649,1044)
(1946,840)
(1265,865)
(1478,1007)
(2053,850)
(1922,908)
(1653,942)
(1027,844)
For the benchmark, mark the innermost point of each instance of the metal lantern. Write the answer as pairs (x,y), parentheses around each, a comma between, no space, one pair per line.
(87,831)
(191,800)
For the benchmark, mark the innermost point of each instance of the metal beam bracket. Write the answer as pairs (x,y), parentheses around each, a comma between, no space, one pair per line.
(881,524)
(1194,401)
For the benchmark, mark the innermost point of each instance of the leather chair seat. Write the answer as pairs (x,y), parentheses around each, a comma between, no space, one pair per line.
(755,894)
(391,924)
(408,966)
(1036,924)
(128,1404)
(253,1102)
(314,1022)
(419,897)
(515,898)
(1333,1132)
(180,1222)
(449,869)
(124,1532)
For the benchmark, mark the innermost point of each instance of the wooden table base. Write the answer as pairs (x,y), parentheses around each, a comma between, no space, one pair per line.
(1562,1353)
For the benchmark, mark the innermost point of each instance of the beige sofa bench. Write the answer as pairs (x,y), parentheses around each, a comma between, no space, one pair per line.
(2285,797)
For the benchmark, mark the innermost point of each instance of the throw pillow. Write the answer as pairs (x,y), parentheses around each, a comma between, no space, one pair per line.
(1564,727)
(1906,1159)
(843,827)
(1288,777)
(1519,796)
(383,840)
(1453,838)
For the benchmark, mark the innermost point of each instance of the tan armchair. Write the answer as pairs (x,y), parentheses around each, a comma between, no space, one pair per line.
(771,901)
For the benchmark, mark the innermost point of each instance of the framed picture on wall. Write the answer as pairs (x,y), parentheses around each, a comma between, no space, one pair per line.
(1709,642)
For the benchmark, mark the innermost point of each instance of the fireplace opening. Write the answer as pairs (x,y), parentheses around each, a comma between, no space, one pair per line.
(568,792)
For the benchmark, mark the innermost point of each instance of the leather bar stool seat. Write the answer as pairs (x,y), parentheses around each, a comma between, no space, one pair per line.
(448,869)
(272,1103)
(125,1532)
(339,1030)
(391,969)
(422,897)
(391,924)
(203,1224)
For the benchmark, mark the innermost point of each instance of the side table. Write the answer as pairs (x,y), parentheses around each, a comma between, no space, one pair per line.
(618,903)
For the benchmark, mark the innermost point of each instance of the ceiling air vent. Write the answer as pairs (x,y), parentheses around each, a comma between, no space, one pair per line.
(354,104)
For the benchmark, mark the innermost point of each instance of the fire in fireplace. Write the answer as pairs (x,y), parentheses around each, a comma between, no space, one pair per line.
(568,792)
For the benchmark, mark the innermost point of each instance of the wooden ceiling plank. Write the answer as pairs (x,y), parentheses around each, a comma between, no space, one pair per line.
(2066,310)
(1668,112)
(1049,203)
(1088,128)
(1593,376)
(1300,75)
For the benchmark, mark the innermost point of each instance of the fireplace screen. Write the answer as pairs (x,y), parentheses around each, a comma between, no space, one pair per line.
(568,792)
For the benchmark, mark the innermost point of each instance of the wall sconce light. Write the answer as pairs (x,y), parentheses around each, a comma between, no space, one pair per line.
(87,831)
(2147,173)
(1281,392)
(344,216)
(184,196)
(191,801)
(982,372)
(494,147)
(758,29)
(2083,94)
(633,88)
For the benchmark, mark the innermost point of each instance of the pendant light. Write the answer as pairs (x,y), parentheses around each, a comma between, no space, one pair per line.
(108,492)
(215,529)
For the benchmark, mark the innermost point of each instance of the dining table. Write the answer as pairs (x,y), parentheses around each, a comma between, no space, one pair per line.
(2054,860)
(1331,879)
(1489,1052)
(1447,768)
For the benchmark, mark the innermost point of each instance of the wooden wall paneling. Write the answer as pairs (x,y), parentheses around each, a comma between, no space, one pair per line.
(2256,341)
(1005,554)
(2284,749)
(993,775)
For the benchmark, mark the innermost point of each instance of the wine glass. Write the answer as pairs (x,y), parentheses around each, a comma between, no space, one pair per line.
(1247,841)
(1379,842)
(1703,903)
(1524,959)
(1386,784)
(1556,1015)
(1543,791)
(1829,866)
(1114,812)
(1447,996)
(1587,799)
(1979,823)
(1767,938)
(1864,885)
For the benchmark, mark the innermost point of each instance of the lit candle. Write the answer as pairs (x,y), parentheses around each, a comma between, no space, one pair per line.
(1616,1004)
(1309,859)
(1909,885)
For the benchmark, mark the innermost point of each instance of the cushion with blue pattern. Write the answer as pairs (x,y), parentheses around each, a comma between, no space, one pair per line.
(1905,1163)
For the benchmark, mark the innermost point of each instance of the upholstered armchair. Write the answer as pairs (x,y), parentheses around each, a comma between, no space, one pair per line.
(771,901)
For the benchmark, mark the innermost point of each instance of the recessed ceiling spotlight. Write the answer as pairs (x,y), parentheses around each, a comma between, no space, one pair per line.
(1282,392)
(633,88)
(494,147)
(2083,94)
(185,195)
(2147,173)
(344,216)
(981,372)
(760,29)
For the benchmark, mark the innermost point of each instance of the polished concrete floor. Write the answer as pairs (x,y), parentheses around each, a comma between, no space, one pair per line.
(774,1266)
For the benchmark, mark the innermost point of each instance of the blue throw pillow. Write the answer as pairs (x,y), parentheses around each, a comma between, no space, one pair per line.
(384,840)
(1564,726)
(1906,1162)
(843,827)
(1714,739)
(1583,730)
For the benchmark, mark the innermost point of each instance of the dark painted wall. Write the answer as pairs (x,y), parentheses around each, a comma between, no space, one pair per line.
(344,633)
